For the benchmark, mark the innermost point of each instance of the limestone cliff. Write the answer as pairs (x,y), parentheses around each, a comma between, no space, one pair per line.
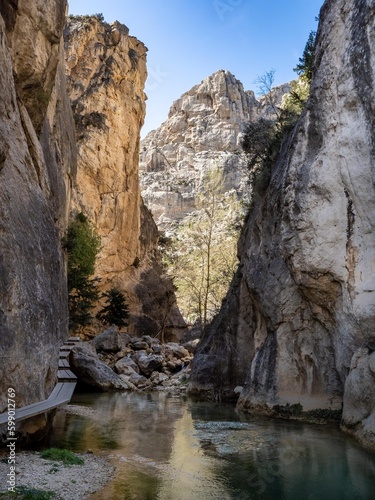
(106,71)
(303,300)
(37,162)
(203,131)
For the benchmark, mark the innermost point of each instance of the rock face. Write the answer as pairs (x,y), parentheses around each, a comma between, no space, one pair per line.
(37,163)
(303,299)
(203,130)
(106,71)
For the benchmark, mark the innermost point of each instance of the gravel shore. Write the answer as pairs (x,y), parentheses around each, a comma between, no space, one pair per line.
(74,482)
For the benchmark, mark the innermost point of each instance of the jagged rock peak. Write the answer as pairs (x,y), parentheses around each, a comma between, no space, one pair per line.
(210,115)
(203,131)
(114,32)
(220,95)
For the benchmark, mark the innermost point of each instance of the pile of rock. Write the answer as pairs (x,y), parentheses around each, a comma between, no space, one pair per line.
(116,360)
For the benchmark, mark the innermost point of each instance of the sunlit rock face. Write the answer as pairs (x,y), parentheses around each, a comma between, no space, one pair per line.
(106,71)
(303,300)
(37,163)
(203,131)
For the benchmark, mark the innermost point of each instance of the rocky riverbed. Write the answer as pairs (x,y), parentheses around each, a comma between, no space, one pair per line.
(115,360)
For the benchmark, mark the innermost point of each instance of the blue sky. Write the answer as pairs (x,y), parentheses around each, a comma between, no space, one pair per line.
(191,39)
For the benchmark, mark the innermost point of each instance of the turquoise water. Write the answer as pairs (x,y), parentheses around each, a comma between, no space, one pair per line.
(170,448)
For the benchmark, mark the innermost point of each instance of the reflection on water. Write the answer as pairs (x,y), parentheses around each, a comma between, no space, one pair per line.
(170,448)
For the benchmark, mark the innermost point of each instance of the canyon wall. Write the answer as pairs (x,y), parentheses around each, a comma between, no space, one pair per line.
(106,71)
(203,131)
(298,323)
(42,187)
(37,164)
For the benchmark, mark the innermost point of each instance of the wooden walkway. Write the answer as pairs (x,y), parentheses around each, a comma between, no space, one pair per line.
(61,394)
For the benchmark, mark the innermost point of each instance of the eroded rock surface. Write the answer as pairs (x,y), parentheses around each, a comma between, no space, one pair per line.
(303,299)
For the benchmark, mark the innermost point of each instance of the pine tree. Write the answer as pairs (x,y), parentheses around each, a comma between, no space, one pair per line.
(82,244)
(116,311)
(305,66)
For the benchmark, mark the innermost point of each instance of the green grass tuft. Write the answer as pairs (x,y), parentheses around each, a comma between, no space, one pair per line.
(65,456)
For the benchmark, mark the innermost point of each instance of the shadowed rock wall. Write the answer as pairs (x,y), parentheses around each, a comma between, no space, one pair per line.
(37,163)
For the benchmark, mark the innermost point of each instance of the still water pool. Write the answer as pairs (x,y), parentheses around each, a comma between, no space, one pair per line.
(171,448)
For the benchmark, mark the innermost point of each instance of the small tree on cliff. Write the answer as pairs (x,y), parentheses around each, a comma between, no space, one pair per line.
(82,244)
(116,311)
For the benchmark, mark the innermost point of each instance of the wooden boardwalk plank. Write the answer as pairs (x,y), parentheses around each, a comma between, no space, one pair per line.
(66,375)
(57,389)
(62,393)
(64,396)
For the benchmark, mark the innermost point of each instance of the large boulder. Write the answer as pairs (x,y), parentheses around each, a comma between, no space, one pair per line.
(191,346)
(108,341)
(91,371)
(176,350)
(126,366)
(124,339)
(140,346)
(138,380)
(150,363)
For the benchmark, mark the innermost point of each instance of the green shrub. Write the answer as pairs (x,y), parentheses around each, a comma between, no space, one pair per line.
(264,138)
(86,17)
(324,414)
(65,456)
(262,143)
